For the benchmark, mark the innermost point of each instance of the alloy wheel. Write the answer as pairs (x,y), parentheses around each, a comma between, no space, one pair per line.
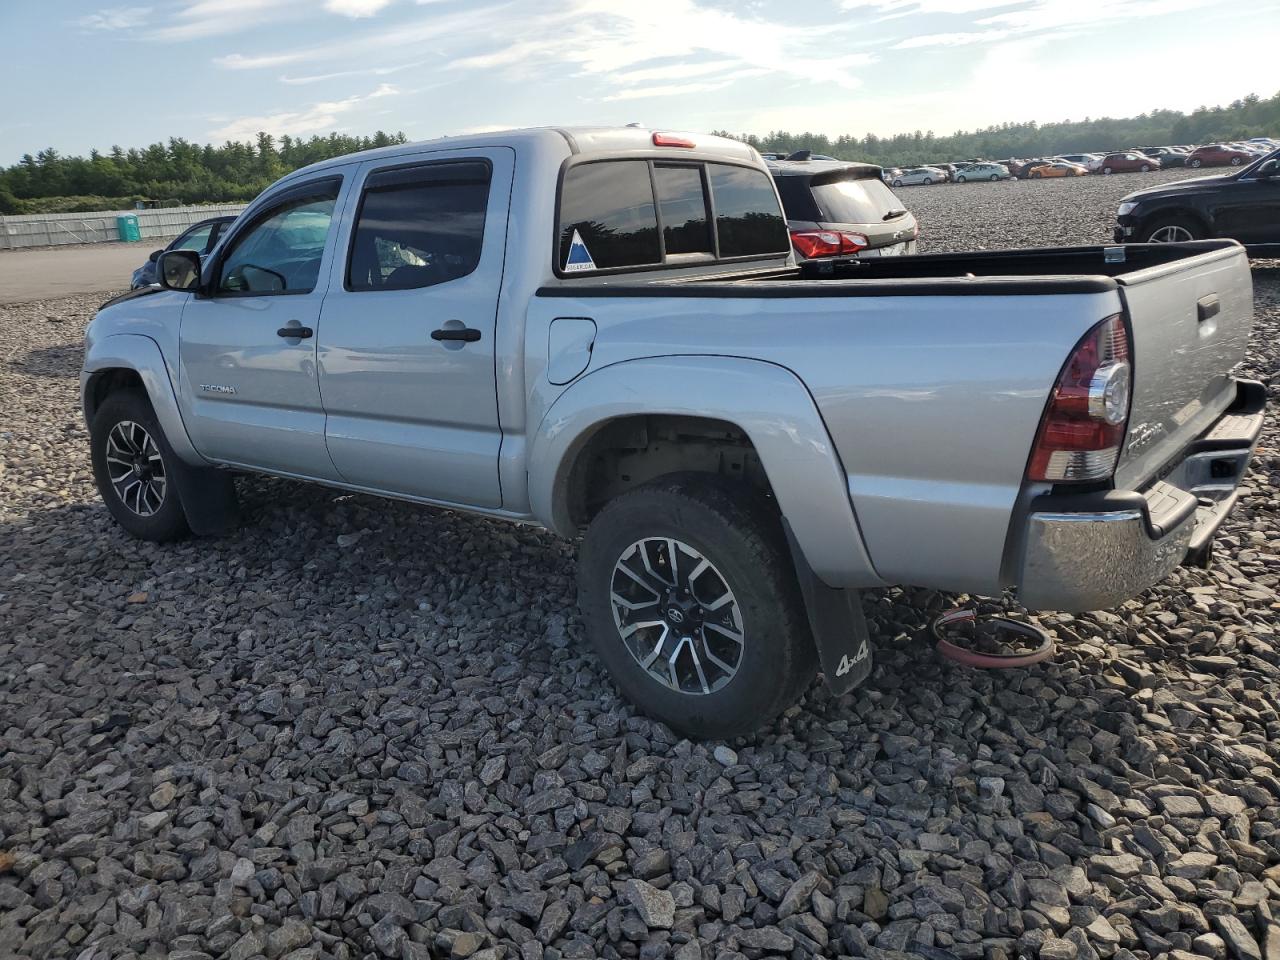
(136,468)
(1173,233)
(677,616)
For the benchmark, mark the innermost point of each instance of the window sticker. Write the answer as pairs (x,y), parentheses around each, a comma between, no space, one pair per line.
(579,258)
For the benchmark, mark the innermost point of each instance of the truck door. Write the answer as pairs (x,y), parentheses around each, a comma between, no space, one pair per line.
(248,347)
(407,330)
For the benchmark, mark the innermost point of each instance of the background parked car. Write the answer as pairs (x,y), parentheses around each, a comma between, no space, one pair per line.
(1059,168)
(1128,162)
(837,209)
(1022,168)
(200,237)
(1167,156)
(1243,205)
(889,174)
(1218,155)
(982,171)
(1086,160)
(918,176)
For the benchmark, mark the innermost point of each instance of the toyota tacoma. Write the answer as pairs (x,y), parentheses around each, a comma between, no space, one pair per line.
(605,331)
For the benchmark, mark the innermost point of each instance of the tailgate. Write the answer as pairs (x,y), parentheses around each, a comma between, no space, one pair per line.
(1190,321)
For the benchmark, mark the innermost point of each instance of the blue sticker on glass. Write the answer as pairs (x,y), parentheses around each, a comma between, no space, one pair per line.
(579,258)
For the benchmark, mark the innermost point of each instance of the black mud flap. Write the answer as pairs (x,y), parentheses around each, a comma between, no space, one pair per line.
(838,625)
(208,499)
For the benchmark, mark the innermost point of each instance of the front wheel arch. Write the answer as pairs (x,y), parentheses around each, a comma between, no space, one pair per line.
(1195,223)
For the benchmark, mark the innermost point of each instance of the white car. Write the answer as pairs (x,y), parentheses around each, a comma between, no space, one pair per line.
(1091,160)
(920,175)
(982,171)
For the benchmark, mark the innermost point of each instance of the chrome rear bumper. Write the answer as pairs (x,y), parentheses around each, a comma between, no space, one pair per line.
(1091,551)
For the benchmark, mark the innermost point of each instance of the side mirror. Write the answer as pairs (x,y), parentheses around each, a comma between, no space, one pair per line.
(178,270)
(155,255)
(1269,170)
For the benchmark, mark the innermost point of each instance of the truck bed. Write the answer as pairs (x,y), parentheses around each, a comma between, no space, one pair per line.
(933,394)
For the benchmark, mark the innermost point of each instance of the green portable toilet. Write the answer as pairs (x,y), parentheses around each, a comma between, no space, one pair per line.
(128,227)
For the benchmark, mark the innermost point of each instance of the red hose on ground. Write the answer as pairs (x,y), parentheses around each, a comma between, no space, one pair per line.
(989,661)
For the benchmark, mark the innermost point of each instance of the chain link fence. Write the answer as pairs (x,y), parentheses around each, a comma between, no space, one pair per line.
(53,229)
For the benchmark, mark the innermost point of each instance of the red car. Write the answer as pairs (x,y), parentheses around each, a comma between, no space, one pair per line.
(1219,155)
(1131,161)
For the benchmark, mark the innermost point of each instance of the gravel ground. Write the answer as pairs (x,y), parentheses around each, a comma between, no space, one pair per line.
(358,729)
(1026,213)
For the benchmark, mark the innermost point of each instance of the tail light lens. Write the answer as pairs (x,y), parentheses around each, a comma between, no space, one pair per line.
(1084,423)
(828,243)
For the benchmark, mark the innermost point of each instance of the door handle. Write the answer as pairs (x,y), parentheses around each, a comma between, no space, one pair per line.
(1208,307)
(295,333)
(465,334)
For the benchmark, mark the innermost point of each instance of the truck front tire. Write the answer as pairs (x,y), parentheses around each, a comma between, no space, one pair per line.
(689,595)
(135,468)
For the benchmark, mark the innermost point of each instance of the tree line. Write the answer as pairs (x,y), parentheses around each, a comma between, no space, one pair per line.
(185,172)
(172,173)
(1240,120)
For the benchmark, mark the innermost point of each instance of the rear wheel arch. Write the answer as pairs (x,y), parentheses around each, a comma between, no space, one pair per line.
(627,452)
(615,428)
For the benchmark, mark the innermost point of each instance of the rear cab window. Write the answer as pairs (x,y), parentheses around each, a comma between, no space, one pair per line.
(646,214)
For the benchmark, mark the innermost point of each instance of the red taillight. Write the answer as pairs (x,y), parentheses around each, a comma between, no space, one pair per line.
(1084,423)
(667,140)
(827,243)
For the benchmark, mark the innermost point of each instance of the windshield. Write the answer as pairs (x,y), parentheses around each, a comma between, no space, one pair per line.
(855,201)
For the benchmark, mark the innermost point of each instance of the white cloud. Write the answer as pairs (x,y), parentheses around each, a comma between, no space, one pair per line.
(236,61)
(317,118)
(898,8)
(209,18)
(949,39)
(625,46)
(356,9)
(116,18)
(1057,14)
(677,89)
(369,72)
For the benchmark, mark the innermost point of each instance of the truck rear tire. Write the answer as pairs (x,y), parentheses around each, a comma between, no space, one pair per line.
(135,468)
(690,597)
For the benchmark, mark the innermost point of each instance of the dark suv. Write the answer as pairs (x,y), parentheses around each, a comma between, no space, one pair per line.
(1242,206)
(838,209)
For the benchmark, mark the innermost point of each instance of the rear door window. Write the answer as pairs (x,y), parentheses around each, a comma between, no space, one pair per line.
(419,226)
(865,200)
(748,220)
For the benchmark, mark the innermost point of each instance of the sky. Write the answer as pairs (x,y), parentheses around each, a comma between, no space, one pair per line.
(77,75)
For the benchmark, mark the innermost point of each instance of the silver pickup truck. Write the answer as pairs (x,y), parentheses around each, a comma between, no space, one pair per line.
(604,331)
